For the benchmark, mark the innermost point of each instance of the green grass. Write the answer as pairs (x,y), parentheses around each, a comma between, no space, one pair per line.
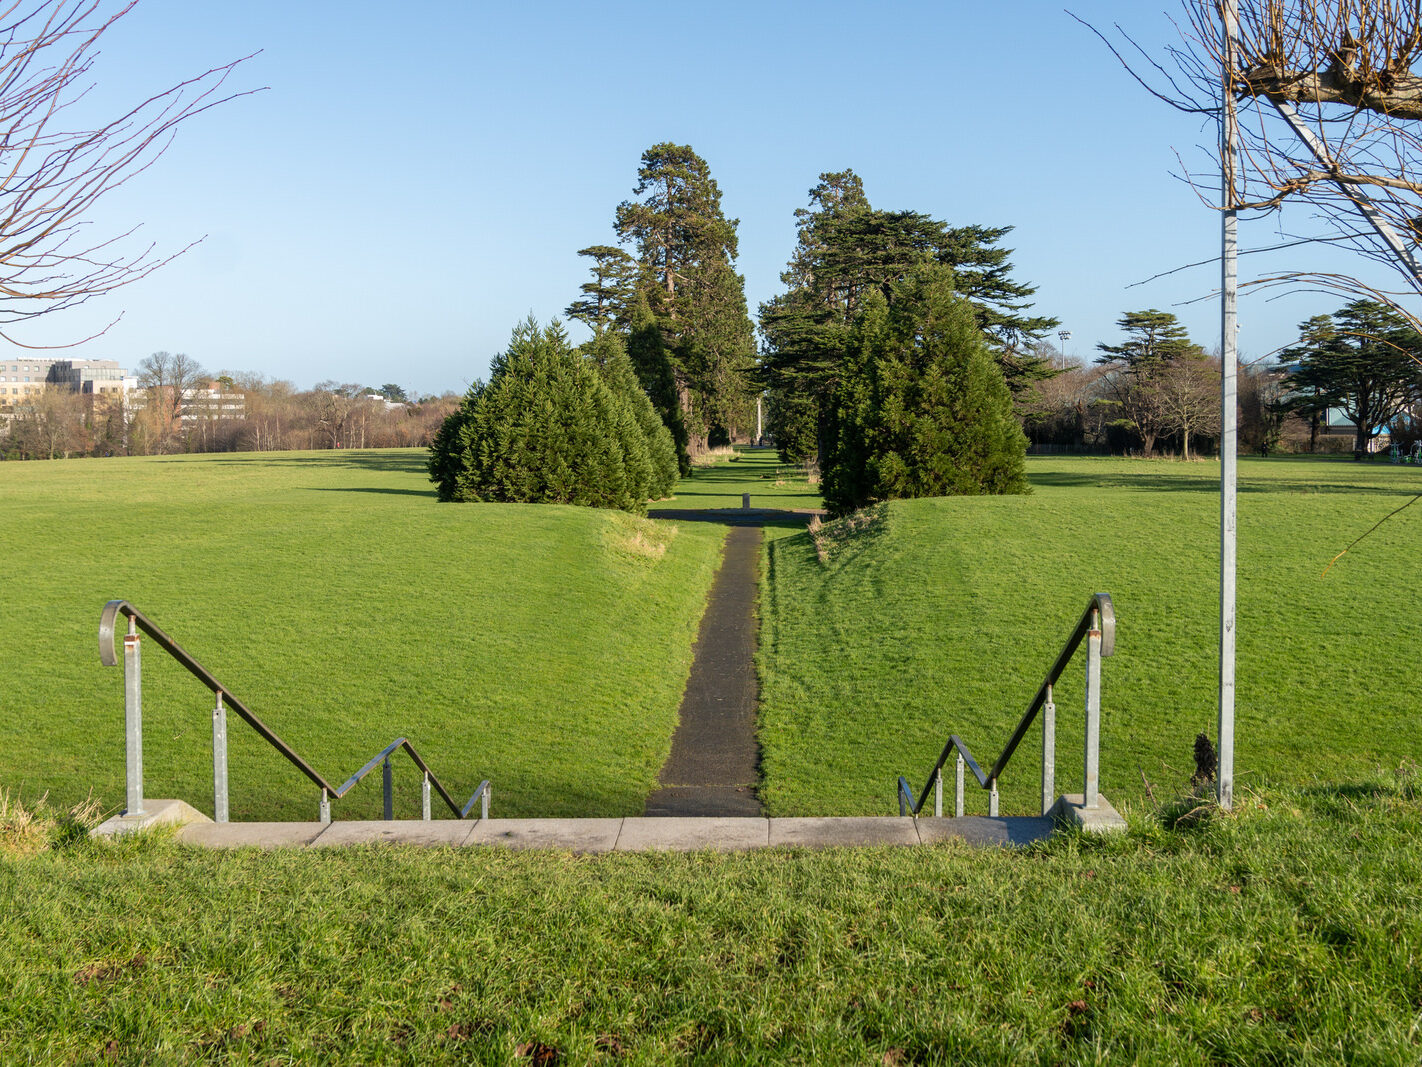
(543,647)
(944,615)
(1287,932)
(771,484)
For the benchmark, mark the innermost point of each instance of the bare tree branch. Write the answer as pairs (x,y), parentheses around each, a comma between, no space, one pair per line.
(51,176)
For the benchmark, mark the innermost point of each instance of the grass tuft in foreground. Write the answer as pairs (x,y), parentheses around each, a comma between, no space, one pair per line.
(1288,930)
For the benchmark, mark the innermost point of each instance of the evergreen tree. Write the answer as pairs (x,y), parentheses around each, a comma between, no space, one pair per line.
(1155,341)
(922,408)
(608,299)
(846,250)
(545,429)
(609,355)
(686,250)
(653,364)
(1365,362)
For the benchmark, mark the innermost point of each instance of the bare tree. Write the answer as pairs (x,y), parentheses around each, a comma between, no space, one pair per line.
(169,381)
(52,176)
(1328,105)
(49,424)
(1188,392)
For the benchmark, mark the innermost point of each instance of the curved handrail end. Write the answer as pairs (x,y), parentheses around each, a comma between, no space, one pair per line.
(108,655)
(1108,622)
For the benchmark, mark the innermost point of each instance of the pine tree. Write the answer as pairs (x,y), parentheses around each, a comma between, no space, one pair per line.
(1155,341)
(846,250)
(686,249)
(546,428)
(607,300)
(922,408)
(1364,362)
(609,356)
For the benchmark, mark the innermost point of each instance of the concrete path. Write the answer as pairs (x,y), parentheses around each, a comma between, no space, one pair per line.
(643,834)
(712,769)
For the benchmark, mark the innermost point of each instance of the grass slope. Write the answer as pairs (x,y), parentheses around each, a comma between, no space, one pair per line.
(544,647)
(1287,932)
(942,616)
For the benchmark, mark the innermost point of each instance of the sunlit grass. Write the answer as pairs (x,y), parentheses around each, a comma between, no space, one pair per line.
(1286,932)
(944,616)
(543,647)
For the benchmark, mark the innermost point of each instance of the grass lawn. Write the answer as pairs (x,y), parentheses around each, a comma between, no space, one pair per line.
(543,647)
(772,485)
(1287,932)
(943,616)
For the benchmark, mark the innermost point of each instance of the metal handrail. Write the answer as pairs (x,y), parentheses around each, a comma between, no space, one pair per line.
(1097,626)
(134,735)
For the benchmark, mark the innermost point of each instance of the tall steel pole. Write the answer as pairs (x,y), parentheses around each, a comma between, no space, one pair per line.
(1229,357)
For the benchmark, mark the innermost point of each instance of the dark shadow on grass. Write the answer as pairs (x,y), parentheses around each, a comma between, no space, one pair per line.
(1183,483)
(1406,788)
(412,462)
(427,493)
(778,518)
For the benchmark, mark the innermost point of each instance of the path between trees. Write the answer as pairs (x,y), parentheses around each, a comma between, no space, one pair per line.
(713,768)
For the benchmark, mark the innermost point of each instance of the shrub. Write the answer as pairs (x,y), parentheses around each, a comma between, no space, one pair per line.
(546,428)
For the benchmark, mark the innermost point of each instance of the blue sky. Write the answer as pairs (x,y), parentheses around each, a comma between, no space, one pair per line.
(418,178)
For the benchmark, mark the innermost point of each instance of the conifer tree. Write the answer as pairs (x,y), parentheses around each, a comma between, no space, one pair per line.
(1155,340)
(846,250)
(609,356)
(545,428)
(922,408)
(686,250)
(608,299)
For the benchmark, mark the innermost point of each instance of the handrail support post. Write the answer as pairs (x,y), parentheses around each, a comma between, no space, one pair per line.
(992,800)
(484,802)
(1092,775)
(958,788)
(387,776)
(325,813)
(219,761)
(938,792)
(1049,752)
(133,720)
(425,796)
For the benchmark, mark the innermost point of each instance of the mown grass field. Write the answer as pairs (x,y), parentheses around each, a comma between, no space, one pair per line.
(543,647)
(943,616)
(1287,932)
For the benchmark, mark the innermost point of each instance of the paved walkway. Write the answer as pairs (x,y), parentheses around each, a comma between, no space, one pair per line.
(713,766)
(623,835)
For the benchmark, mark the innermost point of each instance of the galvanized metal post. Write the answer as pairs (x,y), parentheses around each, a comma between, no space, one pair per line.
(938,793)
(1229,356)
(325,813)
(992,799)
(425,796)
(958,788)
(1091,786)
(219,761)
(133,719)
(484,804)
(388,777)
(1049,753)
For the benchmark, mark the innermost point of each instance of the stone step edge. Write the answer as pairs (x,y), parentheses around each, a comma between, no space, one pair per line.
(622,834)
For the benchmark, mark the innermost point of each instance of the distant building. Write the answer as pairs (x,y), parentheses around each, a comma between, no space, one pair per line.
(21,379)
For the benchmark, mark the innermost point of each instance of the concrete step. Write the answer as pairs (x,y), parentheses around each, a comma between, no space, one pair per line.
(631,834)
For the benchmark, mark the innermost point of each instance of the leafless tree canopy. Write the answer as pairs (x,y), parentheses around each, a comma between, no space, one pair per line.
(1328,99)
(52,173)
